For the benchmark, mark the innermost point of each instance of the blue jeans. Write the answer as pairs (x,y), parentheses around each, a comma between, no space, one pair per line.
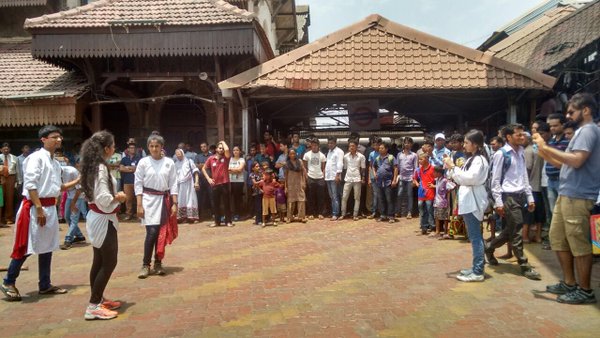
(476,238)
(334,190)
(44,262)
(375,202)
(74,231)
(386,201)
(405,188)
(426,214)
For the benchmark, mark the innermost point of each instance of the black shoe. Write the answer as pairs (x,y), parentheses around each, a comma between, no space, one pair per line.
(530,273)
(79,239)
(489,255)
(66,245)
(561,288)
(579,296)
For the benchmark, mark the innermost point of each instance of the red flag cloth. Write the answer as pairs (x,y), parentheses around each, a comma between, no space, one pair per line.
(168,223)
(97,210)
(22,233)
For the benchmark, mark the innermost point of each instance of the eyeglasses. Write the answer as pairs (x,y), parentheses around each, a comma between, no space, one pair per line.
(55,137)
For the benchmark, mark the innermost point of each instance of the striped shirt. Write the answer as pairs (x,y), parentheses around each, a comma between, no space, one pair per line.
(561,145)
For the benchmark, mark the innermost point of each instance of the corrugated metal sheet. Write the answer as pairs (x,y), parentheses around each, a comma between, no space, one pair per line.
(21,3)
(37,113)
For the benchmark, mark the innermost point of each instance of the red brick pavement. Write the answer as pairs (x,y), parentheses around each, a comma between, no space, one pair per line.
(320,279)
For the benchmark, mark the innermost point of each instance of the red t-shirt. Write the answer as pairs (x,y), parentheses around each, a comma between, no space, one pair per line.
(268,188)
(219,168)
(424,177)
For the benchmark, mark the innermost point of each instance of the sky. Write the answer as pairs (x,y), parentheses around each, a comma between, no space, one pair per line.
(468,22)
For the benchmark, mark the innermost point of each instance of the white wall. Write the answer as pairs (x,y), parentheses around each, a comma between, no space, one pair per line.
(262,10)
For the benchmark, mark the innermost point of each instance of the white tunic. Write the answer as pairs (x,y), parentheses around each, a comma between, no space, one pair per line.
(42,173)
(472,196)
(159,175)
(97,224)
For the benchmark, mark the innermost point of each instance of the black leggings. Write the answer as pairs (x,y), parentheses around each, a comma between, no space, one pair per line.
(105,261)
(237,192)
(150,243)
(221,201)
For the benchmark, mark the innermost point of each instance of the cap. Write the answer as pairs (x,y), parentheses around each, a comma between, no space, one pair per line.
(440,135)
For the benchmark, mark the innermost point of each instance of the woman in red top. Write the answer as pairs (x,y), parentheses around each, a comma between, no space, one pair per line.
(218,164)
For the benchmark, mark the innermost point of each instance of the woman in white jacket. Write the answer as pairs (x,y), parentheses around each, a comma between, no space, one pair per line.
(472,199)
(100,189)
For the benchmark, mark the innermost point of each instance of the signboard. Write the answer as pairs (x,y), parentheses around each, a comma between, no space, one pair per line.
(364,115)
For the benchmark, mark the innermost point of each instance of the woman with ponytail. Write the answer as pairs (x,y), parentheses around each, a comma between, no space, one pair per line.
(100,189)
(472,199)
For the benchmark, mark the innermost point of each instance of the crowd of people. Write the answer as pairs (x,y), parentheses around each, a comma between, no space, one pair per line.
(521,182)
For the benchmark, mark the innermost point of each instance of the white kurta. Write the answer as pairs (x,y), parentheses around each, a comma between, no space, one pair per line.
(42,173)
(187,199)
(97,224)
(159,175)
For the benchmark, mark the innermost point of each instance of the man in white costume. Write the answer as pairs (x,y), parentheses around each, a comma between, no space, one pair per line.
(37,221)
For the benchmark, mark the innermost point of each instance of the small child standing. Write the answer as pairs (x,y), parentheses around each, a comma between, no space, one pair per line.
(268,186)
(424,180)
(255,177)
(440,203)
(281,201)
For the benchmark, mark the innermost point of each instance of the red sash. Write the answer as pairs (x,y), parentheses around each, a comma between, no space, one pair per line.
(22,232)
(97,210)
(168,223)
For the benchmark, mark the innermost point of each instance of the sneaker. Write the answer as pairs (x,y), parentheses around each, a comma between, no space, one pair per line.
(466,272)
(561,288)
(212,225)
(334,218)
(236,218)
(230,224)
(579,296)
(99,312)
(355,218)
(392,220)
(409,216)
(111,304)
(158,269)
(145,272)
(274,223)
(371,216)
(79,239)
(530,273)
(311,217)
(470,278)
(66,245)
(381,219)
(321,217)
(489,256)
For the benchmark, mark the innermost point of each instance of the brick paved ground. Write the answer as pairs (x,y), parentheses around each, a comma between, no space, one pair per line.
(321,279)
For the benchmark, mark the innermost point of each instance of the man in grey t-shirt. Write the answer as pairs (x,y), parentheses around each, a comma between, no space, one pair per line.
(577,193)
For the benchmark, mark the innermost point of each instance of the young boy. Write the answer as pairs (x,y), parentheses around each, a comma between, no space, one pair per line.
(255,177)
(268,186)
(440,203)
(281,200)
(424,180)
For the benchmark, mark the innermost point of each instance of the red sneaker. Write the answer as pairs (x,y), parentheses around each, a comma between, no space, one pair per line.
(111,304)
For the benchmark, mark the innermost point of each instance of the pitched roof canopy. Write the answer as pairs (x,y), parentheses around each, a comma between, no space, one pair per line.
(552,40)
(110,13)
(377,54)
(26,86)
(21,3)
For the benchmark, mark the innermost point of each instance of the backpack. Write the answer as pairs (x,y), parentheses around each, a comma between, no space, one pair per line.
(378,160)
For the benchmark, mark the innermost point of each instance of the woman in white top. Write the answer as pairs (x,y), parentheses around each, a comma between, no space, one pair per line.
(237,165)
(188,178)
(472,199)
(100,188)
(156,192)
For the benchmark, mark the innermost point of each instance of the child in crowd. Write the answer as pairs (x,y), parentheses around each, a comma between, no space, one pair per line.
(263,157)
(255,177)
(268,186)
(440,203)
(281,200)
(424,180)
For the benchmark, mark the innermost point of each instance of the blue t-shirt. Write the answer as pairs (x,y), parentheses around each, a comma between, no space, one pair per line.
(126,177)
(582,182)
(300,150)
(384,166)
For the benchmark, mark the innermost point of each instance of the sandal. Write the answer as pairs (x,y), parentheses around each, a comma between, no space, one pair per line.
(11,293)
(446,236)
(53,290)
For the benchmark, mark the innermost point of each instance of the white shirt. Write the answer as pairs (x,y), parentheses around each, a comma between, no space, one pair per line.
(42,173)
(335,163)
(472,196)
(353,166)
(314,161)
(10,161)
(516,179)
(69,174)
(159,175)
(95,223)
(236,164)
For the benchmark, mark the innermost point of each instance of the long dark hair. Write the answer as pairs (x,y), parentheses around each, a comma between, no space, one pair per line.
(476,137)
(92,156)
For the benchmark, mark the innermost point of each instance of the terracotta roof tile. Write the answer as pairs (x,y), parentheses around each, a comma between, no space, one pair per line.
(22,75)
(551,40)
(379,54)
(104,13)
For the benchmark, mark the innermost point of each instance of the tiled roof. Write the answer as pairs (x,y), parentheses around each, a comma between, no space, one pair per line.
(19,3)
(23,76)
(106,13)
(377,54)
(550,41)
